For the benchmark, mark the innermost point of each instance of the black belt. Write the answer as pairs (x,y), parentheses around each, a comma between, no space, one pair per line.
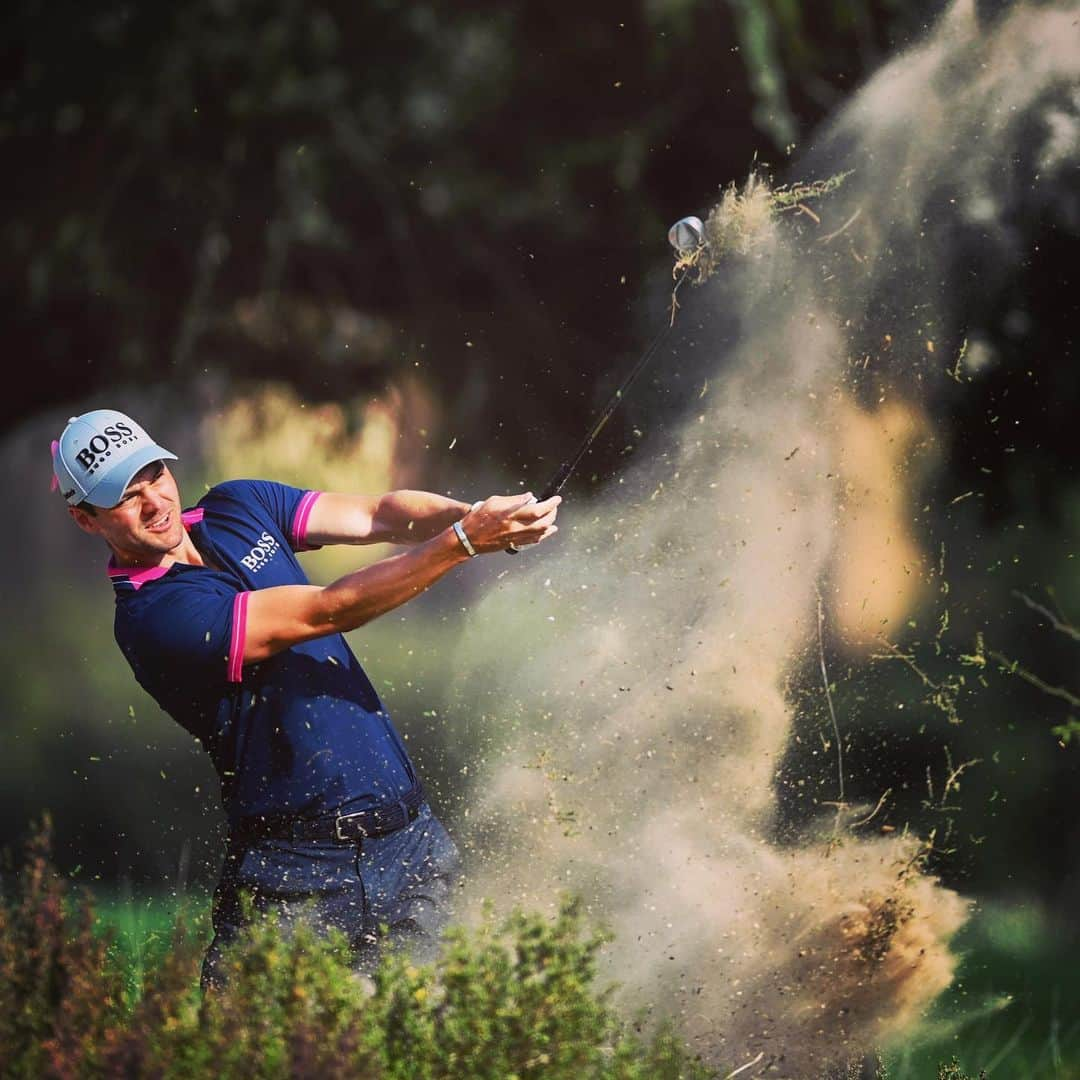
(344,827)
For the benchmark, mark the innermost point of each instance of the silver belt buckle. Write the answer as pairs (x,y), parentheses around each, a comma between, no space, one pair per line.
(346,817)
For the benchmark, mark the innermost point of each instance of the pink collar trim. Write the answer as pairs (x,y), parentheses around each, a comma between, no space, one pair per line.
(137,576)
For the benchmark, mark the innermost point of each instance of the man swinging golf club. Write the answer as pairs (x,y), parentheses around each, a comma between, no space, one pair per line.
(327,818)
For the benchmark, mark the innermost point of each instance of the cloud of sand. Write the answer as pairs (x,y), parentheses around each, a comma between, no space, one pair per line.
(638,716)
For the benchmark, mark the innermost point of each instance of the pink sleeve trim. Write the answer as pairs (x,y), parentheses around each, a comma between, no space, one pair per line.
(300,522)
(236,643)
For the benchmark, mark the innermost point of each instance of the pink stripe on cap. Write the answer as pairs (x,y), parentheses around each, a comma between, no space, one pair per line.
(53,448)
(236,643)
(300,521)
(192,517)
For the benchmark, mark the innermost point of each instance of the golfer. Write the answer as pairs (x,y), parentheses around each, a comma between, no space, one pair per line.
(327,817)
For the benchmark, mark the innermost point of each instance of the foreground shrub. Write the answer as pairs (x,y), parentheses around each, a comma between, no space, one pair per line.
(59,994)
(512,1001)
(509,1000)
(292,1007)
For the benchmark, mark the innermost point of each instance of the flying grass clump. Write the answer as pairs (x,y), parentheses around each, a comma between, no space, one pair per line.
(744,220)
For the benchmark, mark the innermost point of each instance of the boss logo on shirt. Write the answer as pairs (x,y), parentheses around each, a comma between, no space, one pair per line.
(261,553)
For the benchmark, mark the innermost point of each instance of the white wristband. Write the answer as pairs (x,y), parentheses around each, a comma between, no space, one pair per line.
(466,543)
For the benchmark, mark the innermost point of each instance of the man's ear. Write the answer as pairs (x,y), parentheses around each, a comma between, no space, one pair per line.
(86,522)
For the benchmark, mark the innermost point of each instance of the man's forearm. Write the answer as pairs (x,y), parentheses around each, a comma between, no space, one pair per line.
(363,595)
(285,615)
(411,517)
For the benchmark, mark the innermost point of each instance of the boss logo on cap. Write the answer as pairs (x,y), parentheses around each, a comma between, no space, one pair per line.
(101,446)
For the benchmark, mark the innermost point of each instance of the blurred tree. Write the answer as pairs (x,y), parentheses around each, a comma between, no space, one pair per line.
(327,193)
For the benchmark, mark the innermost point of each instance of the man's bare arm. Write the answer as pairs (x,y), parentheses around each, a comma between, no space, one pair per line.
(285,615)
(398,517)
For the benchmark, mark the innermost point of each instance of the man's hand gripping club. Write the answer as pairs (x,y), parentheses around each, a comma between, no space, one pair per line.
(503,522)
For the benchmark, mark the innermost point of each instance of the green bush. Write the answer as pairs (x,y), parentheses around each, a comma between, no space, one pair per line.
(59,995)
(510,1000)
(507,1000)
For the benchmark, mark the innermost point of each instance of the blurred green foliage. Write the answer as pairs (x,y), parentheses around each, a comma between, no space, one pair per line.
(104,988)
(193,183)
(1011,1011)
(510,1000)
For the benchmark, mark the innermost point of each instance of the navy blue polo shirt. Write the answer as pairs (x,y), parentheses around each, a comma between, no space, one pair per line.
(303,732)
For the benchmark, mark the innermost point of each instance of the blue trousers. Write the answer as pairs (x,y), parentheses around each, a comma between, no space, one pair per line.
(394,889)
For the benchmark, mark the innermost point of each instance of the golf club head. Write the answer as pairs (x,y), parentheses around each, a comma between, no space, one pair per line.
(686,235)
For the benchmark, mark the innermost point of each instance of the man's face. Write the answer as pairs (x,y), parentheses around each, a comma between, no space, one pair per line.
(145,524)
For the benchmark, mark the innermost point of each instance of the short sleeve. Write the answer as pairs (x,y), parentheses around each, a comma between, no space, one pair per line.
(191,630)
(288,507)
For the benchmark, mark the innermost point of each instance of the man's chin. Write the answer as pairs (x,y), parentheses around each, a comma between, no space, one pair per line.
(166,543)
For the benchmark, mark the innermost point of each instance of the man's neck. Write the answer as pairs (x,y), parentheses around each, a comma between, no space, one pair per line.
(185,552)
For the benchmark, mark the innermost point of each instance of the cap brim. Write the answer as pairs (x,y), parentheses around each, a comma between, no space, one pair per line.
(109,490)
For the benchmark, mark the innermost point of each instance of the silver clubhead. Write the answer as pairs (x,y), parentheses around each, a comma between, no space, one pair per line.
(686,235)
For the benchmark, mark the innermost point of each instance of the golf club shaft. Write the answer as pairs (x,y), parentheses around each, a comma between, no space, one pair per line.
(566,469)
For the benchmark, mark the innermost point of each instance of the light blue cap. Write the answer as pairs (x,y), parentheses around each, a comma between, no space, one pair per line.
(98,454)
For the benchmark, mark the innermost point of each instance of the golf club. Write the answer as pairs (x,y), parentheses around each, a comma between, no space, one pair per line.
(685,236)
